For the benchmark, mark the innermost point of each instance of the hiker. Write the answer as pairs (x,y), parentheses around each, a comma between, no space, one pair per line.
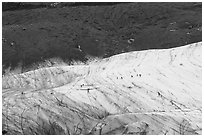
(82,85)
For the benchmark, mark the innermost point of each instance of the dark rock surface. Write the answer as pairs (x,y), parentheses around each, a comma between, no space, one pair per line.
(38,31)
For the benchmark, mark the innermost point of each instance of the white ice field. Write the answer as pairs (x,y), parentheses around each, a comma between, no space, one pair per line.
(142,92)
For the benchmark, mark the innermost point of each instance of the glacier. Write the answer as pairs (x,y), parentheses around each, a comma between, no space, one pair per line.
(153,92)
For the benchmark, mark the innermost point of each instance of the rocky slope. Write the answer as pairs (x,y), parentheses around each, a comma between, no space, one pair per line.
(33,35)
(141,92)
